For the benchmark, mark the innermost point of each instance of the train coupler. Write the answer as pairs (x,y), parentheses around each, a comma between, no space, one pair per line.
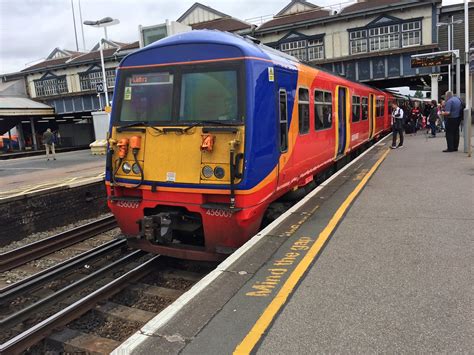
(162,227)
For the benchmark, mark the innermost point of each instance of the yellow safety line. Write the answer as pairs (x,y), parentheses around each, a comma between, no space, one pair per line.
(255,334)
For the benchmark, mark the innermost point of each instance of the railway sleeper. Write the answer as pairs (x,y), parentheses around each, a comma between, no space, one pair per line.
(156,291)
(73,341)
(111,309)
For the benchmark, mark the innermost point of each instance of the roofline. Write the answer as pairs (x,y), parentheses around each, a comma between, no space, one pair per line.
(115,56)
(455,7)
(197,4)
(292,2)
(342,16)
(250,25)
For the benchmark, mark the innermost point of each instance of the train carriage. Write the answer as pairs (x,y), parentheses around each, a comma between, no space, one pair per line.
(209,128)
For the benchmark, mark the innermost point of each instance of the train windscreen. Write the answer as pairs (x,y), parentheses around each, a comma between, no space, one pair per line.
(180,96)
(209,96)
(147,97)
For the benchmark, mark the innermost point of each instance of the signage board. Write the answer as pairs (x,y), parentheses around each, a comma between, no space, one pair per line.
(99,87)
(432,60)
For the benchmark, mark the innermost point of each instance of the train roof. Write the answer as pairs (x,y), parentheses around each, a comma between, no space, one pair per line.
(247,47)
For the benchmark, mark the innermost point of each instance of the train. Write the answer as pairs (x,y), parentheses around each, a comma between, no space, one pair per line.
(208,129)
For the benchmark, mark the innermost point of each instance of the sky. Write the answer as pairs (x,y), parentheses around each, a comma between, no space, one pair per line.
(31,29)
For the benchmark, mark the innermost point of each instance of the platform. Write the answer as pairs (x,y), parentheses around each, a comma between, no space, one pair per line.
(22,175)
(376,259)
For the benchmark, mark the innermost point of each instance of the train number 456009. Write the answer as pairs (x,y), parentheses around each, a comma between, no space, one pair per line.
(219,213)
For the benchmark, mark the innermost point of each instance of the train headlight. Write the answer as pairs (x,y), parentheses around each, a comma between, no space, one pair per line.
(207,172)
(219,172)
(136,169)
(126,168)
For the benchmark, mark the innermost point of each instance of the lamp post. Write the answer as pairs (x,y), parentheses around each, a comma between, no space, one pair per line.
(450,26)
(105,22)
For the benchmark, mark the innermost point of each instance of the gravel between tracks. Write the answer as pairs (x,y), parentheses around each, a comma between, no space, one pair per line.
(26,270)
(42,235)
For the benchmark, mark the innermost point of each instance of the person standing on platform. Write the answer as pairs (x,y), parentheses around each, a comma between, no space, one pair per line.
(433,117)
(452,113)
(397,125)
(48,141)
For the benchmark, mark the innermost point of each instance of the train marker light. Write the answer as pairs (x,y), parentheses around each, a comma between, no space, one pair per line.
(136,169)
(219,172)
(207,172)
(126,168)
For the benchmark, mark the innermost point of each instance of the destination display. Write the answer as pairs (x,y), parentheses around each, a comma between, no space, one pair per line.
(432,60)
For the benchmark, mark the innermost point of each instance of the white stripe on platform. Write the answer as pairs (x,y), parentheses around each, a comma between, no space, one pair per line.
(169,312)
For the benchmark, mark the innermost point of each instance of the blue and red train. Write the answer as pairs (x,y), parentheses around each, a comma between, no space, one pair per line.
(208,129)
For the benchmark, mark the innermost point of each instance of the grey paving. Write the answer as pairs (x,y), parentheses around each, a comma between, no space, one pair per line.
(21,172)
(396,275)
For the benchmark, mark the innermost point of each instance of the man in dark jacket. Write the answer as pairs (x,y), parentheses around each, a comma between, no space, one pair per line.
(48,141)
(433,116)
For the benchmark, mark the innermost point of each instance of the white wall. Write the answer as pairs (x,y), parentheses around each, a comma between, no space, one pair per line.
(199,15)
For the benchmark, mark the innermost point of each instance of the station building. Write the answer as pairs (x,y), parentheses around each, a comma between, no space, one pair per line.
(65,82)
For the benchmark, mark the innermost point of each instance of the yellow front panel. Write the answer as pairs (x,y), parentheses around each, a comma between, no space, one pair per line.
(177,156)
(173,157)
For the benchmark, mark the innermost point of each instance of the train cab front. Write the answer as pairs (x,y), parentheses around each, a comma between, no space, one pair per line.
(176,158)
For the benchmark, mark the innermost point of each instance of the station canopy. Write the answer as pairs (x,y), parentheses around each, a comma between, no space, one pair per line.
(14,106)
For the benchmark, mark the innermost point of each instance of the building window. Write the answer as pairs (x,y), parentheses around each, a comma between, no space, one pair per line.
(411,34)
(322,110)
(303,110)
(382,38)
(315,49)
(365,108)
(355,108)
(89,80)
(51,86)
(304,50)
(359,46)
(296,49)
(385,37)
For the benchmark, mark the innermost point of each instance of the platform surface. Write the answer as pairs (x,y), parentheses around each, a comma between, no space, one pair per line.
(32,173)
(395,275)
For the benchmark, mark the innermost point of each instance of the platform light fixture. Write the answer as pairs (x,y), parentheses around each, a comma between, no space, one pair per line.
(105,22)
(450,26)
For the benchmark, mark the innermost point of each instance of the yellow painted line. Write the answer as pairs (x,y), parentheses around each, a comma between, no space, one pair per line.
(255,334)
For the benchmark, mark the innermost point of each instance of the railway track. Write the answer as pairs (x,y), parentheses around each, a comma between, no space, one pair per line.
(165,284)
(43,247)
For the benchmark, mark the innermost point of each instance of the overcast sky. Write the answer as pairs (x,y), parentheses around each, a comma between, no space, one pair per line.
(31,29)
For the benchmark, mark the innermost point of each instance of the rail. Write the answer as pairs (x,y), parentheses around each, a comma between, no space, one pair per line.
(24,254)
(36,280)
(34,334)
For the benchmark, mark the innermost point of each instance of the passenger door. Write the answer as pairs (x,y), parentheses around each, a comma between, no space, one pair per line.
(342,119)
(282,131)
(371,115)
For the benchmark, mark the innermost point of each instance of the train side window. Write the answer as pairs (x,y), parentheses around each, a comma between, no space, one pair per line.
(355,108)
(283,121)
(382,107)
(303,110)
(378,110)
(322,110)
(365,108)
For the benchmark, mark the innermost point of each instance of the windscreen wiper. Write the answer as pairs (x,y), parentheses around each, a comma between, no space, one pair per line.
(199,123)
(124,128)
